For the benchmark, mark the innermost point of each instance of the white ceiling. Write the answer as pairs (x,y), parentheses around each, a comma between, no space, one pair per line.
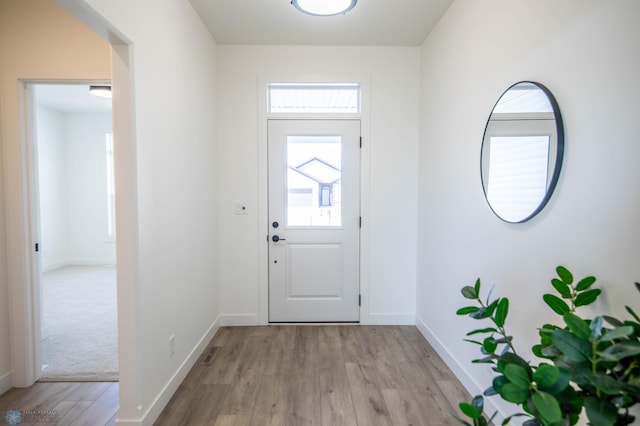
(277,22)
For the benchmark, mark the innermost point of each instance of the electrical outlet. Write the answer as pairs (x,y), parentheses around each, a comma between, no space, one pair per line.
(172,345)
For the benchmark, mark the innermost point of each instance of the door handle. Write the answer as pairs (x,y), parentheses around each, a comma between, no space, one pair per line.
(276,238)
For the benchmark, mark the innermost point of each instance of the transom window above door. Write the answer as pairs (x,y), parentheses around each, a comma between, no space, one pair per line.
(314,97)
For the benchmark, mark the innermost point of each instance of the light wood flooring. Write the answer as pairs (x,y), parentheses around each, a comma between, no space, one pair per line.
(317,375)
(283,375)
(63,403)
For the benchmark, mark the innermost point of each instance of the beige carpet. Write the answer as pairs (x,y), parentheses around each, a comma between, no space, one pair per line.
(80,340)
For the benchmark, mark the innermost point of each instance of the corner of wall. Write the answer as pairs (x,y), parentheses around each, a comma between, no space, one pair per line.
(5,382)
(467,380)
(163,398)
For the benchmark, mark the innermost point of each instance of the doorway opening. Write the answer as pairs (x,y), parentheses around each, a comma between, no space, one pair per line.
(75,208)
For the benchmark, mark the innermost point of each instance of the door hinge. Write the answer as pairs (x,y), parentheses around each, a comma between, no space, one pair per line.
(37,247)
(360,222)
(360,141)
(359,300)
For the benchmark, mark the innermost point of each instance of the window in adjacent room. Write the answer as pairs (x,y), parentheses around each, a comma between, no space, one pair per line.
(111,189)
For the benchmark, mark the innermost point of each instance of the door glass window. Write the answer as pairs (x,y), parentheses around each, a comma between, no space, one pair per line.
(314,180)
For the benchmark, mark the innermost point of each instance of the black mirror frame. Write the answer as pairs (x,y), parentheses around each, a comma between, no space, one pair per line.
(559,150)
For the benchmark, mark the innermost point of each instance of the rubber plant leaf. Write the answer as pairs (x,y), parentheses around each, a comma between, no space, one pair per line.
(587,297)
(612,320)
(469,410)
(620,351)
(577,325)
(469,292)
(546,375)
(601,412)
(489,345)
(482,330)
(502,311)
(585,283)
(558,305)
(511,358)
(605,384)
(547,407)
(596,328)
(498,383)
(562,288)
(518,376)
(478,402)
(513,393)
(564,275)
(617,333)
(467,310)
(572,346)
(560,386)
(632,313)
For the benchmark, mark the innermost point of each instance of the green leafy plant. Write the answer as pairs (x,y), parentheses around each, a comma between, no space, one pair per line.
(583,363)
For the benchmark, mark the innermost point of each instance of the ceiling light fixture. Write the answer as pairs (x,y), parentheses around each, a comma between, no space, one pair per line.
(101,91)
(324,7)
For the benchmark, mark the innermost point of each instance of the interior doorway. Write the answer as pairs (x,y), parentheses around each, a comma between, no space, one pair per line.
(75,211)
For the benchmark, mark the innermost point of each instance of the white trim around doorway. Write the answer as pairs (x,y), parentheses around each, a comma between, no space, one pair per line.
(263,214)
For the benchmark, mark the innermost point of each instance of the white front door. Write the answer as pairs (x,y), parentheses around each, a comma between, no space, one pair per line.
(314,220)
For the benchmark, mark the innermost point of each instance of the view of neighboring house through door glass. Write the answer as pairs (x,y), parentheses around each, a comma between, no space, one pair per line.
(314,196)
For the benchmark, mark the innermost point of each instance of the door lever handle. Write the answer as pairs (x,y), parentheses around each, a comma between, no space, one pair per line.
(276,238)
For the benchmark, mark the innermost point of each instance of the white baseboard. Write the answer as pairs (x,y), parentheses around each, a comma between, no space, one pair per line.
(155,409)
(472,386)
(91,262)
(77,262)
(5,382)
(53,266)
(390,319)
(239,320)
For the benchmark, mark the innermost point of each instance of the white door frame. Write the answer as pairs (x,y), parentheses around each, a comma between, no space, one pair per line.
(263,173)
(25,298)
(30,317)
(341,305)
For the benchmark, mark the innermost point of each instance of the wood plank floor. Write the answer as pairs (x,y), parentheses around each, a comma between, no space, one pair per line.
(317,375)
(63,403)
(280,375)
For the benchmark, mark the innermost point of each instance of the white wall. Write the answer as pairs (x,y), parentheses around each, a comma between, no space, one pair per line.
(389,171)
(87,188)
(73,199)
(38,40)
(52,181)
(586,53)
(171,204)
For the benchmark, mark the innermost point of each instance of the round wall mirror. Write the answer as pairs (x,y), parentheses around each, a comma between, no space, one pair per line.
(522,152)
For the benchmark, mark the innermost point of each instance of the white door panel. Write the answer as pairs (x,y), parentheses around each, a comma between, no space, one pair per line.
(314,220)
